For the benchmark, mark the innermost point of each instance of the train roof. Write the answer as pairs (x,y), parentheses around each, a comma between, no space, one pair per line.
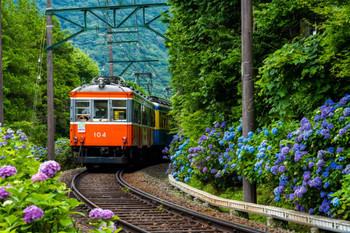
(118,84)
(106,84)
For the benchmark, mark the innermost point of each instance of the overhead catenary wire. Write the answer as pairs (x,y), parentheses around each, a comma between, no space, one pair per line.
(38,78)
(128,55)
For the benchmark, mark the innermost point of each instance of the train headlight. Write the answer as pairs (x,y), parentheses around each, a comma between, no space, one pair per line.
(75,139)
(124,139)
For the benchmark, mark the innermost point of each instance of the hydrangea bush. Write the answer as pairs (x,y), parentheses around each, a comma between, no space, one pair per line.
(104,219)
(305,162)
(31,199)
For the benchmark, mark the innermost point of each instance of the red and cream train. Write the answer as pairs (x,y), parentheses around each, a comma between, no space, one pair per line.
(111,123)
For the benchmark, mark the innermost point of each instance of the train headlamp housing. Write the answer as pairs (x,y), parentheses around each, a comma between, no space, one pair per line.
(75,139)
(124,139)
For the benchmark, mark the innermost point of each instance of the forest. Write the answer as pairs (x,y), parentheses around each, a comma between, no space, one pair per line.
(24,71)
(301,59)
(298,154)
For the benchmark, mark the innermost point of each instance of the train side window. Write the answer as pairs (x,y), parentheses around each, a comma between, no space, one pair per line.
(82,110)
(161,120)
(100,110)
(118,110)
(153,118)
(144,115)
(136,113)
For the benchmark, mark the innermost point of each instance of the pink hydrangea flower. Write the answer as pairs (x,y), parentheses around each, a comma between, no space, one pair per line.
(39,177)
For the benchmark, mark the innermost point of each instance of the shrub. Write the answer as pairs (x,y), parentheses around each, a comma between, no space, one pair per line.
(304,161)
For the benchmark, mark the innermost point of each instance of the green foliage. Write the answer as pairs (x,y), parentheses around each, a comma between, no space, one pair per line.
(301,55)
(25,80)
(48,195)
(37,133)
(301,164)
(204,62)
(63,154)
(137,87)
(343,195)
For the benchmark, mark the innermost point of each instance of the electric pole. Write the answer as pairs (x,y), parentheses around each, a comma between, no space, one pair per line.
(50,99)
(1,78)
(249,189)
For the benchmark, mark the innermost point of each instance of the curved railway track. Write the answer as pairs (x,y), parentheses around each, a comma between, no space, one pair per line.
(142,212)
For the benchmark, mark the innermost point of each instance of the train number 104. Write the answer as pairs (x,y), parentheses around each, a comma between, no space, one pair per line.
(99,134)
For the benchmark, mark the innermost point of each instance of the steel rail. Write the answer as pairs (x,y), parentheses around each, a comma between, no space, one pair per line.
(220,224)
(125,225)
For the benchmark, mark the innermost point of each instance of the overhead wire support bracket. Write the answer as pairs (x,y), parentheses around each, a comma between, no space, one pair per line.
(113,25)
(121,61)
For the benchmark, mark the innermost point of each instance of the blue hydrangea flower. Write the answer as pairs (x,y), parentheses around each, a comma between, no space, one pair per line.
(274,131)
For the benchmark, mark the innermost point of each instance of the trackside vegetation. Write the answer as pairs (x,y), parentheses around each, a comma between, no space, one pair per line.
(31,198)
(304,164)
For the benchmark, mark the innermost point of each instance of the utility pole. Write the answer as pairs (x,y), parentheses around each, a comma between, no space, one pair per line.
(1,78)
(110,52)
(50,99)
(249,190)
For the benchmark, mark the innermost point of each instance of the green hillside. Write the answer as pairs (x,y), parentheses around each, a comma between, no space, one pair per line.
(147,45)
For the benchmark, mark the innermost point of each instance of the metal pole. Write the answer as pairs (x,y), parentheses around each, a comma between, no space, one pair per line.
(50,99)
(110,52)
(110,45)
(249,190)
(1,78)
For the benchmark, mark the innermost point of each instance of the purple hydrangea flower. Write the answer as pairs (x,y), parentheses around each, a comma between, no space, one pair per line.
(7,170)
(217,125)
(49,168)
(3,193)
(98,213)
(213,171)
(285,150)
(39,177)
(107,214)
(32,212)
(205,169)
(346,112)
(326,185)
(342,131)
(340,149)
(274,170)
(282,169)
(223,124)
(311,211)
(311,164)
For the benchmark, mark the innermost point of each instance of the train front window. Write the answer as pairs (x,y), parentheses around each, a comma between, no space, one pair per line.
(118,110)
(100,110)
(82,110)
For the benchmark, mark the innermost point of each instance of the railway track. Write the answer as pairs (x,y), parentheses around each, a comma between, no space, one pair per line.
(142,212)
